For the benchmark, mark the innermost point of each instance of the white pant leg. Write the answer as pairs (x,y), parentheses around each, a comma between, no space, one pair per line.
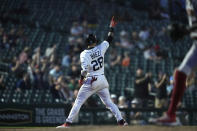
(105,97)
(84,93)
(190,60)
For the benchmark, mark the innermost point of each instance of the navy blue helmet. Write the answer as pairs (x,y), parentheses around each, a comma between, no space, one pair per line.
(91,39)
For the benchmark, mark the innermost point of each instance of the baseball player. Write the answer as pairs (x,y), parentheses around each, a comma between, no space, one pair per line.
(185,68)
(93,79)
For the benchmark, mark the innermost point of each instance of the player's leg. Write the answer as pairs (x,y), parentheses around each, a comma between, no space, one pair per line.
(105,97)
(84,93)
(183,71)
(180,76)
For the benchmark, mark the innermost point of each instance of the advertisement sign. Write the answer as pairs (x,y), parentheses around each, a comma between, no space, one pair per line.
(15,116)
(39,115)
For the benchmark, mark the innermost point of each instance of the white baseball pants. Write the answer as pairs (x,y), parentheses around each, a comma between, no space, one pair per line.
(190,60)
(100,87)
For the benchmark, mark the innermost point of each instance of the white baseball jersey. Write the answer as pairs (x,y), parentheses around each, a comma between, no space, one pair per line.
(92,60)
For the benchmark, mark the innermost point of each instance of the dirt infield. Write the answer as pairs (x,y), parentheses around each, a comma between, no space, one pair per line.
(106,128)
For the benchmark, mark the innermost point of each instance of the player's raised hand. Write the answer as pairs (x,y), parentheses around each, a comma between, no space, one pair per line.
(113,22)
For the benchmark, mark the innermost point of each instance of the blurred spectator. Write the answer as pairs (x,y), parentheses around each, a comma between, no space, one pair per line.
(45,69)
(114,99)
(2,84)
(63,89)
(55,72)
(126,60)
(142,86)
(50,50)
(4,43)
(114,58)
(161,95)
(137,117)
(70,45)
(136,41)
(78,46)
(76,29)
(53,59)
(144,33)
(66,60)
(30,71)
(75,44)
(135,103)
(16,68)
(38,79)
(160,53)
(24,55)
(75,60)
(74,73)
(36,56)
(191,82)
(122,102)
(124,40)
(149,53)
(162,32)
(170,86)
(72,84)
(24,83)
(134,36)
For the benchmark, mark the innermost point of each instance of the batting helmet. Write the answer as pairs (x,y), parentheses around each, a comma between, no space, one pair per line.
(91,39)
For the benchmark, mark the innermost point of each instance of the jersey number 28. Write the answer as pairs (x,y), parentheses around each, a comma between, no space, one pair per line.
(97,64)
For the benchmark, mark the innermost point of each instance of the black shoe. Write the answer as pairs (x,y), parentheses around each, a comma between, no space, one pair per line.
(122,123)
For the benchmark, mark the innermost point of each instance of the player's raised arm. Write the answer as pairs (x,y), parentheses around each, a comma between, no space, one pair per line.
(111,29)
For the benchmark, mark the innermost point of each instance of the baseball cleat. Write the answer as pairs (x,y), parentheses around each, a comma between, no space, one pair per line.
(65,125)
(165,120)
(122,123)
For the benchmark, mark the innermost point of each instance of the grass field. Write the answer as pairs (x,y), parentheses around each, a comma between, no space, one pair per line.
(104,128)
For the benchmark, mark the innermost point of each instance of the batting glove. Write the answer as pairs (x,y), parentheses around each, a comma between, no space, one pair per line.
(93,79)
(113,22)
(80,82)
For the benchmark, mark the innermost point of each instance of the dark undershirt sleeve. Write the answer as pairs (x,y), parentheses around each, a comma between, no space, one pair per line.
(110,35)
(109,39)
